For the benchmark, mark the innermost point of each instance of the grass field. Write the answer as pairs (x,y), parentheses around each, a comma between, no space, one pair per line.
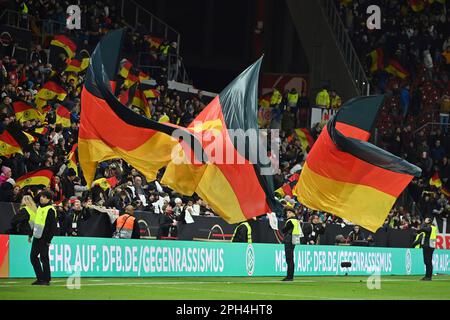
(210,288)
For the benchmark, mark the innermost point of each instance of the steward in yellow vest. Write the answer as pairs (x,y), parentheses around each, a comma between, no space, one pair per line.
(276,97)
(44,228)
(428,245)
(292,233)
(335,100)
(323,99)
(292,98)
(242,233)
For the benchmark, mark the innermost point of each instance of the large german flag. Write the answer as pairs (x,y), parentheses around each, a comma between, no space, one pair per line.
(347,176)
(109,129)
(25,111)
(38,177)
(227,180)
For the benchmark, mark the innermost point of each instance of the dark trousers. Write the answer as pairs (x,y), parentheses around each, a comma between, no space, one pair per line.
(41,265)
(428,260)
(289,253)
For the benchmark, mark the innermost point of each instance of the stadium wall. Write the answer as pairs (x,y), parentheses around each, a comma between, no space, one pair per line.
(100,257)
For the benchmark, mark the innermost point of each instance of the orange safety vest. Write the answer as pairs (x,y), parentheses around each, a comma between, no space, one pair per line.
(124,226)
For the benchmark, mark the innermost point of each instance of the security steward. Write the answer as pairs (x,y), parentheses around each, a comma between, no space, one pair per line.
(428,245)
(44,228)
(292,234)
(242,233)
(126,226)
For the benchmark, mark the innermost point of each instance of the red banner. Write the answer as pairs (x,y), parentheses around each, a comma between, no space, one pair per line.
(4,256)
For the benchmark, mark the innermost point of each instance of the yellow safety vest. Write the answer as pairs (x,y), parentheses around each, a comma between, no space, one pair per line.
(417,238)
(336,102)
(276,97)
(296,223)
(292,98)
(323,99)
(39,220)
(249,231)
(433,237)
(25,9)
(164,49)
(32,215)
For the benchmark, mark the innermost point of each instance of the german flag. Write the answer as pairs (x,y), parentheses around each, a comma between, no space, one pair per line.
(377,58)
(287,188)
(63,116)
(152,94)
(227,179)
(349,177)
(143,143)
(435,180)
(106,183)
(143,76)
(25,111)
(80,63)
(8,144)
(72,158)
(396,69)
(38,177)
(125,68)
(49,91)
(140,101)
(305,137)
(66,44)
(445,192)
(42,131)
(31,139)
(154,42)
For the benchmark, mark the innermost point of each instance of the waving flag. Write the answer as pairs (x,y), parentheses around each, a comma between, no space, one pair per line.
(25,111)
(109,129)
(349,177)
(287,188)
(305,137)
(79,63)
(235,189)
(395,68)
(435,180)
(66,44)
(49,91)
(106,183)
(377,60)
(8,144)
(72,157)
(38,177)
(63,116)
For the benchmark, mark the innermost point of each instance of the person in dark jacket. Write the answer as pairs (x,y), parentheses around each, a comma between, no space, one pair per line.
(356,234)
(21,223)
(45,228)
(428,245)
(166,221)
(75,216)
(289,247)
(243,232)
(68,185)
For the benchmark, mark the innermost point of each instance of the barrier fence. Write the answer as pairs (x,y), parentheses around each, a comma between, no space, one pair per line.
(101,257)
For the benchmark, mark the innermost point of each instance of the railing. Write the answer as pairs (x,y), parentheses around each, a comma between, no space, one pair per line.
(346,47)
(137,17)
(432,124)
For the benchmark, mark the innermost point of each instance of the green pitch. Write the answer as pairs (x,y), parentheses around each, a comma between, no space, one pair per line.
(263,288)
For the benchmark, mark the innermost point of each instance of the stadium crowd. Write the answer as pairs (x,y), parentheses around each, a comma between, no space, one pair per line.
(51,147)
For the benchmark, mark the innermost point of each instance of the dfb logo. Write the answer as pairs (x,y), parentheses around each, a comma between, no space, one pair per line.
(374,21)
(74,17)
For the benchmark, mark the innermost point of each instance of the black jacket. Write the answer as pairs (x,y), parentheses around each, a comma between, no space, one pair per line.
(241,234)
(50,227)
(20,223)
(287,232)
(68,188)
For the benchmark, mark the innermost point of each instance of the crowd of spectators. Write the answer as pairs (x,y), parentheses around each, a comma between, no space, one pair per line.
(20,80)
